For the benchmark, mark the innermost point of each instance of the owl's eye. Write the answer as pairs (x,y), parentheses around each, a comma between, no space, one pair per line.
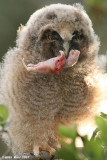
(53,36)
(50,37)
(77,35)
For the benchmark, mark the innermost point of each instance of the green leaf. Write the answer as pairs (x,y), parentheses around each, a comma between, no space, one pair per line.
(94,150)
(68,152)
(95,134)
(103,115)
(3,113)
(84,138)
(67,131)
(102,125)
(65,154)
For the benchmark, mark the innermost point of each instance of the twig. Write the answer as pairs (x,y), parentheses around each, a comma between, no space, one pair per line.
(96,131)
(8,149)
(28,156)
(44,155)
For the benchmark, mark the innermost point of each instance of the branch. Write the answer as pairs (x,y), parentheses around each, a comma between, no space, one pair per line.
(44,155)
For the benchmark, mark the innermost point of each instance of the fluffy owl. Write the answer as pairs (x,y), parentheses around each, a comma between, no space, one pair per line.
(39,102)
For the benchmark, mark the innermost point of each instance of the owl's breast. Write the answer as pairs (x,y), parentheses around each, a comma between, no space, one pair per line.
(60,93)
(51,94)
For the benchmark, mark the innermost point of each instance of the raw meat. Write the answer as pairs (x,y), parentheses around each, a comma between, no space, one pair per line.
(54,64)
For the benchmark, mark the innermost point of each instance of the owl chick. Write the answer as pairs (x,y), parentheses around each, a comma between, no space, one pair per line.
(39,102)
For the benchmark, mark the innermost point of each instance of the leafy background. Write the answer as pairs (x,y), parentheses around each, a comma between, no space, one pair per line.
(16,12)
(94,149)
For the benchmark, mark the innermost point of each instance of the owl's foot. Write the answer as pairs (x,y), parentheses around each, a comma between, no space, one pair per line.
(44,153)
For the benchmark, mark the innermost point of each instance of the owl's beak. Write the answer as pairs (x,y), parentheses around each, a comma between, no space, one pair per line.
(66,48)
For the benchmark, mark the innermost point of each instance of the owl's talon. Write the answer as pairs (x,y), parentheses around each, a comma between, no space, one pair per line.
(48,149)
(44,153)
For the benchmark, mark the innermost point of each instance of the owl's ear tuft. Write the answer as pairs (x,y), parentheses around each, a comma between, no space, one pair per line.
(20,28)
(78,6)
(23,37)
(51,15)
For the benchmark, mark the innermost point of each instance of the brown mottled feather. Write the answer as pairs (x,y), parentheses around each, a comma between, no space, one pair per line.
(38,103)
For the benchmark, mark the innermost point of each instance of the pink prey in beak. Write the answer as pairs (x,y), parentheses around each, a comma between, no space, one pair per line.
(54,64)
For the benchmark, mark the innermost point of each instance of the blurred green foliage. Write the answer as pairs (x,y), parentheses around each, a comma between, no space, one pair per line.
(94,149)
(3,115)
(3,124)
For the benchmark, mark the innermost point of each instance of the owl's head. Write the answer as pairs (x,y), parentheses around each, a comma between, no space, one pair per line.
(59,27)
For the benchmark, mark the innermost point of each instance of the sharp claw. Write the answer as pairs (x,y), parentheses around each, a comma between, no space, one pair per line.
(44,153)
